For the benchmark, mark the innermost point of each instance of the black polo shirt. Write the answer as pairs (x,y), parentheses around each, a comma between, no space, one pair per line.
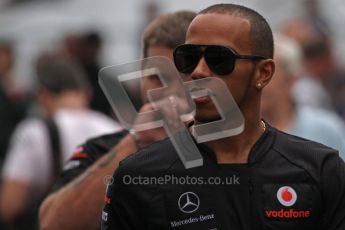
(288,183)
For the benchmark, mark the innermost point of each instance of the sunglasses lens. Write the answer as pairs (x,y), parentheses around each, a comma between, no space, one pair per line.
(220,60)
(186,58)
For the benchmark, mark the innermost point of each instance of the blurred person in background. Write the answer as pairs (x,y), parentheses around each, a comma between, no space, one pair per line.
(81,187)
(13,97)
(280,109)
(40,146)
(90,45)
(71,45)
(317,60)
(323,84)
(151,9)
(314,14)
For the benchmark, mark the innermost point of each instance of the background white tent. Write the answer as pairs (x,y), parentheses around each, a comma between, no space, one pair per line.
(39,25)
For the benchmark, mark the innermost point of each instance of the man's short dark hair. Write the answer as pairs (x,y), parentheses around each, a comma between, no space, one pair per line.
(167,30)
(261,37)
(58,75)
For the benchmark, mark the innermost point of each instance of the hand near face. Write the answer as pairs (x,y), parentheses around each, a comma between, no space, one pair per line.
(171,108)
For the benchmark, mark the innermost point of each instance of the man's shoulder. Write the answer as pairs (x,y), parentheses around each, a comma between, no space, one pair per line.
(290,143)
(106,140)
(100,145)
(84,124)
(304,153)
(31,125)
(91,150)
(31,132)
(85,155)
(155,158)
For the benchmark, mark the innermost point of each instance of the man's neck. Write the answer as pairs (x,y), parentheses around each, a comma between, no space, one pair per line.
(236,149)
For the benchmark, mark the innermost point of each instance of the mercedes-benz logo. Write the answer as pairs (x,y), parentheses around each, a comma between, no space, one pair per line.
(188,202)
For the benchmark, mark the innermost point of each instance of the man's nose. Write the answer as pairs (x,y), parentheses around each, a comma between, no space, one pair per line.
(201,70)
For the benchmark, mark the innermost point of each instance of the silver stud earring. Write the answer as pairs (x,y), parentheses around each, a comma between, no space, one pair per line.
(259,85)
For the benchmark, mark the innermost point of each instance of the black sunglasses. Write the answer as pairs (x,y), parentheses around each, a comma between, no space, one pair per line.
(220,59)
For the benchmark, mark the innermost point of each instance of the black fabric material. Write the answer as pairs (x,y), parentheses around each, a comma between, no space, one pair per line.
(55,145)
(11,113)
(281,168)
(91,151)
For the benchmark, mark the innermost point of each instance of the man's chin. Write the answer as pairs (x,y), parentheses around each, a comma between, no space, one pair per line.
(206,119)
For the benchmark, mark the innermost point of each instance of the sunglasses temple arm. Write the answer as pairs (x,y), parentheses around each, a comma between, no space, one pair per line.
(253,57)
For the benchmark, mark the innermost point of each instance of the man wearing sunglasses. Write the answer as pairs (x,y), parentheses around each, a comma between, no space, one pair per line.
(259,179)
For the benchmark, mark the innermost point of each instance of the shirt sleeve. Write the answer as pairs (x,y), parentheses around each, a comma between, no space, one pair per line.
(122,206)
(79,161)
(85,155)
(333,192)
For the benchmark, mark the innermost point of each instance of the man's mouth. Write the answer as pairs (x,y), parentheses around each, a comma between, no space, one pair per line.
(200,95)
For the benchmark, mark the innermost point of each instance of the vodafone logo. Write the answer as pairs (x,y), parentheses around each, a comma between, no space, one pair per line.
(287,196)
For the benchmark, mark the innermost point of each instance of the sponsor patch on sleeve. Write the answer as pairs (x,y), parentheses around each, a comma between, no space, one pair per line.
(79,153)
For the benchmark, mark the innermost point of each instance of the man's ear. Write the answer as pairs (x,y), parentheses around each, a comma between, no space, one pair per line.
(265,72)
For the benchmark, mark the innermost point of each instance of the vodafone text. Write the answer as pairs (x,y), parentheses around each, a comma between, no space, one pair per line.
(287,214)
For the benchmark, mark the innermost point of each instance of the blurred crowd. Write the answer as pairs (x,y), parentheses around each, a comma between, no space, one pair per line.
(40,127)
(79,52)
